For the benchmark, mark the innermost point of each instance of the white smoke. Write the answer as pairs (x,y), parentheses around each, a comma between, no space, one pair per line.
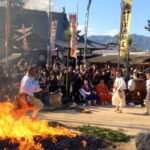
(42,5)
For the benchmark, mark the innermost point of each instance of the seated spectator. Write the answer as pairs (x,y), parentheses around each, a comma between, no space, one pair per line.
(88,93)
(103,92)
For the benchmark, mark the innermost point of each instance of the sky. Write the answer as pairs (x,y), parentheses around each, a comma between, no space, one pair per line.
(104,15)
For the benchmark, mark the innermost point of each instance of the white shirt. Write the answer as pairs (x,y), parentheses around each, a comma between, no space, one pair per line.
(28,86)
(120,83)
(148,86)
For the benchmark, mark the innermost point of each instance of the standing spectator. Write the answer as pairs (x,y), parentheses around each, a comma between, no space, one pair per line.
(52,83)
(71,78)
(81,69)
(61,81)
(47,69)
(76,71)
(106,76)
(96,77)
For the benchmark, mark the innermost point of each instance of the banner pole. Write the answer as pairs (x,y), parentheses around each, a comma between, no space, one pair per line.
(86,30)
(121,2)
(77,37)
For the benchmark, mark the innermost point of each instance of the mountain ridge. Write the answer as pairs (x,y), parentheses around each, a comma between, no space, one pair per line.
(141,41)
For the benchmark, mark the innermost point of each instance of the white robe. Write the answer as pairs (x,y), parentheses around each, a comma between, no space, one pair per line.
(148,93)
(121,86)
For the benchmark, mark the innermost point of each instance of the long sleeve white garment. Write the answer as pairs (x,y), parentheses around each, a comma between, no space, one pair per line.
(120,83)
(148,86)
(29,86)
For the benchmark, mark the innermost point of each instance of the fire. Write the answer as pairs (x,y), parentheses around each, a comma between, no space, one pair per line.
(24,130)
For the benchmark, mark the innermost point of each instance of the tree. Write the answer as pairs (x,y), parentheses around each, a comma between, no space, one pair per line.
(148,28)
(67,35)
(129,40)
(116,39)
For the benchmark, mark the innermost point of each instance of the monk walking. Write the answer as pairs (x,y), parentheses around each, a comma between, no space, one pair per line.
(148,93)
(118,98)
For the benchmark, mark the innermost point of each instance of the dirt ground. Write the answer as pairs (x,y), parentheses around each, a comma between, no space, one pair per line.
(132,120)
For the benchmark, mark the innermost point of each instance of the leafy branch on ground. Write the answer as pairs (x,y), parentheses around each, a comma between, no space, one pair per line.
(104,133)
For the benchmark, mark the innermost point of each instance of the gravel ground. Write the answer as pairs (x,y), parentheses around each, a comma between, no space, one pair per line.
(132,120)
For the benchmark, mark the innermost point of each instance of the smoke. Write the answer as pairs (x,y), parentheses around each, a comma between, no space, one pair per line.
(42,5)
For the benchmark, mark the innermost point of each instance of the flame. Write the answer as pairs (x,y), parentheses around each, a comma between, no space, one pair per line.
(27,129)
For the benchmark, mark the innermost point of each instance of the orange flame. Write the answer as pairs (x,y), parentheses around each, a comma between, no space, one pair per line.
(27,129)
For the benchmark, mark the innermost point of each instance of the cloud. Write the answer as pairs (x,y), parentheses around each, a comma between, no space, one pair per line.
(112,32)
(81,28)
(40,5)
(91,31)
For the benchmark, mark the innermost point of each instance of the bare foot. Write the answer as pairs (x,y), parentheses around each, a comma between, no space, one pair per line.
(116,110)
(120,111)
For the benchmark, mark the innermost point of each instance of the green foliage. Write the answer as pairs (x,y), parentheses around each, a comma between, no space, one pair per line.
(67,35)
(129,40)
(139,49)
(107,134)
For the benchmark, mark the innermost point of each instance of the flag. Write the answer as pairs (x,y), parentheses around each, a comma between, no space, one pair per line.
(25,42)
(53,34)
(125,26)
(53,52)
(7,25)
(73,31)
(86,24)
(5,1)
(6,39)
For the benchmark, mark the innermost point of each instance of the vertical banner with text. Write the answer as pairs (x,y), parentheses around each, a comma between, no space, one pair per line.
(125,26)
(7,25)
(53,36)
(25,42)
(73,31)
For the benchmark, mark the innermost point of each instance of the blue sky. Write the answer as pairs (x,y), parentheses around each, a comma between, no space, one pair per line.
(104,17)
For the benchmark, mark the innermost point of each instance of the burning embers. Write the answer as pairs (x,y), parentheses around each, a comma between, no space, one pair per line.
(38,135)
(25,132)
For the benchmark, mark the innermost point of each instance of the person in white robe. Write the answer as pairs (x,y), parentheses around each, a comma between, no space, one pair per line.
(118,97)
(147,103)
(25,100)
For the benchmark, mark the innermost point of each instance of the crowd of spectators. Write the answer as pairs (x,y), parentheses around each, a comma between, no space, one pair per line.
(52,79)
